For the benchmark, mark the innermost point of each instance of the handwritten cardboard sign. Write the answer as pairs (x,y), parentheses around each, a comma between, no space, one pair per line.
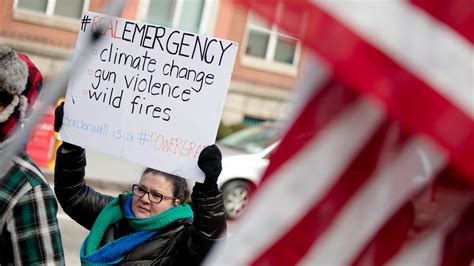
(150,94)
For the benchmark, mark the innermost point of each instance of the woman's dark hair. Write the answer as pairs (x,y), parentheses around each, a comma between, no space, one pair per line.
(180,188)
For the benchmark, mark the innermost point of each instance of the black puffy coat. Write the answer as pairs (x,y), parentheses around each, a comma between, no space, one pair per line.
(184,242)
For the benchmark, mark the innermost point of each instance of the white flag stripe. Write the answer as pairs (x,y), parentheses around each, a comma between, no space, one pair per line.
(389,188)
(297,184)
(428,249)
(311,79)
(313,74)
(426,47)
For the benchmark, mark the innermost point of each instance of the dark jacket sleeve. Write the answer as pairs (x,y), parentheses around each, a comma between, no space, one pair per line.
(81,202)
(209,226)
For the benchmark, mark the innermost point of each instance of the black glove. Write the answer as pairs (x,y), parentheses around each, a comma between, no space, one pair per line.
(210,163)
(58,122)
(58,117)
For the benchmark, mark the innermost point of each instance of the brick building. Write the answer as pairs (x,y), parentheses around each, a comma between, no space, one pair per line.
(265,68)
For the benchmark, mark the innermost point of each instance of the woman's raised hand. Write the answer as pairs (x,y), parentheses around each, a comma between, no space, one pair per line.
(210,163)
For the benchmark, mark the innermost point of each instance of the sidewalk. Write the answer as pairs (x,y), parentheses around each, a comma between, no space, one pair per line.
(106,172)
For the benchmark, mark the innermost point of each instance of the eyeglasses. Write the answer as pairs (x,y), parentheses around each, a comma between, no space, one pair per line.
(153,196)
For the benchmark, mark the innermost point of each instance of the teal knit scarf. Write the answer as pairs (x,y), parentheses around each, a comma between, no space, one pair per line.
(112,213)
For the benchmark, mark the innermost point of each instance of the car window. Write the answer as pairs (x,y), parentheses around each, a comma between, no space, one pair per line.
(252,139)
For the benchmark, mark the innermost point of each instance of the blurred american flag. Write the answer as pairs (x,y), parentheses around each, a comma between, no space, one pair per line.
(377,165)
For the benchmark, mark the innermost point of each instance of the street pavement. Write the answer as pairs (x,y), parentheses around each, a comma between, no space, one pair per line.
(72,235)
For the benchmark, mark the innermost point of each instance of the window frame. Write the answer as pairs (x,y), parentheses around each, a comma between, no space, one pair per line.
(208,16)
(268,63)
(48,18)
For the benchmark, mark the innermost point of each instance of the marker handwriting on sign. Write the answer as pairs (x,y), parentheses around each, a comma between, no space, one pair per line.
(185,44)
(144,62)
(113,55)
(139,107)
(81,124)
(176,145)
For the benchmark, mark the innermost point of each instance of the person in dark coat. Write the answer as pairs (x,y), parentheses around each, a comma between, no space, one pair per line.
(153,224)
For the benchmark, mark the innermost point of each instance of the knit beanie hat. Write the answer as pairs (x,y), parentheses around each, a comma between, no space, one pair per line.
(13,71)
(20,82)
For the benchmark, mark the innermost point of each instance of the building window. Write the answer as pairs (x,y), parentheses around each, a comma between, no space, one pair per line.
(188,15)
(253,121)
(266,42)
(64,8)
(267,48)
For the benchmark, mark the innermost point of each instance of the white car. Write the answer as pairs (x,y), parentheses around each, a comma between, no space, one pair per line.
(245,158)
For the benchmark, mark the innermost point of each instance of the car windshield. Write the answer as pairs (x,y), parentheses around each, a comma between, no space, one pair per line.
(252,139)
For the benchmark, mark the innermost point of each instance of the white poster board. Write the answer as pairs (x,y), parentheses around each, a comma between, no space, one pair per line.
(147,93)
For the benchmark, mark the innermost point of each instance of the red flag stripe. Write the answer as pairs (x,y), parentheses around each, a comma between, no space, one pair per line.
(322,213)
(390,188)
(326,103)
(390,239)
(459,14)
(458,243)
(293,194)
(407,99)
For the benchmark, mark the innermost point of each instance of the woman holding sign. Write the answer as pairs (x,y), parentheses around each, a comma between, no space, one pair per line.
(150,225)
